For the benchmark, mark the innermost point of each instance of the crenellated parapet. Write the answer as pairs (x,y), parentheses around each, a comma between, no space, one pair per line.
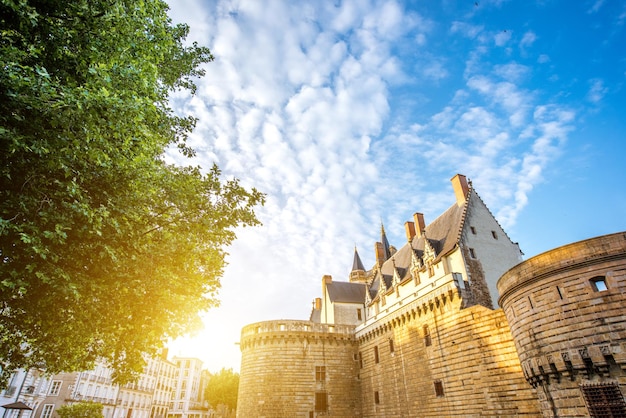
(272,332)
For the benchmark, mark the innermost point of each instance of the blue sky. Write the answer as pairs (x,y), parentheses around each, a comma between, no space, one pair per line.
(349,113)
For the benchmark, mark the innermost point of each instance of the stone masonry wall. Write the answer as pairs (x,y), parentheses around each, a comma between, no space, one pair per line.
(568,331)
(279,378)
(468,368)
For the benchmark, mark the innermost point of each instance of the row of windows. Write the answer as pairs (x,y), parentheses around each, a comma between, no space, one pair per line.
(494,234)
(437,385)
(392,349)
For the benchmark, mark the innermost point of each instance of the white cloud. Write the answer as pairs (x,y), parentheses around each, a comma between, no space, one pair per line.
(597,90)
(528,39)
(503,37)
(595,7)
(466,29)
(298,103)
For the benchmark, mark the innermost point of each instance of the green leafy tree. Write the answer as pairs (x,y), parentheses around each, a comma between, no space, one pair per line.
(106,251)
(222,389)
(81,410)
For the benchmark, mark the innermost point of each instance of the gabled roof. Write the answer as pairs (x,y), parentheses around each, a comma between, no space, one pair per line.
(346,292)
(443,235)
(444,232)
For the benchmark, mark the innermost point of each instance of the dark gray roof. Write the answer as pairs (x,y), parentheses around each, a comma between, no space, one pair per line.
(442,234)
(346,292)
(357,264)
(316,316)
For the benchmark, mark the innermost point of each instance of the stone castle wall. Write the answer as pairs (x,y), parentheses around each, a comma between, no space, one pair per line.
(281,370)
(464,364)
(570,333)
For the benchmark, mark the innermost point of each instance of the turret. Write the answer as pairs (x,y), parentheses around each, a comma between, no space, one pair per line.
(358,271)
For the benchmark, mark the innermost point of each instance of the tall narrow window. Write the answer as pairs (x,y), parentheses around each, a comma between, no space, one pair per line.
(427,340)
(320,373)
(473,230)
(376,397)
(358,314)
(360,360)
(438,388)
(55,388)
(376,359)
(494,234)
(391,347)
(46,412)
(472,253)
(321,401)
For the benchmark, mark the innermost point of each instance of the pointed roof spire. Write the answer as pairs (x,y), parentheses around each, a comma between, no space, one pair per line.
(357,264)
(383,239)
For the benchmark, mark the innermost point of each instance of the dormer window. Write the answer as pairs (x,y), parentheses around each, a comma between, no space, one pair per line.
(473,230)
(494,234)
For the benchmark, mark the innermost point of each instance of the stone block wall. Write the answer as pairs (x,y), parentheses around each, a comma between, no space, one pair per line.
(281,370)
(464,365)
(567,312)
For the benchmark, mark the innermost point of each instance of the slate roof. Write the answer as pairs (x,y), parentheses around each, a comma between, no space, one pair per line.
(346,292)
(357,264)
(443,235)
(316,315)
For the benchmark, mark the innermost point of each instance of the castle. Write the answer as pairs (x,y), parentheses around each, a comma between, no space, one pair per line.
(417,335)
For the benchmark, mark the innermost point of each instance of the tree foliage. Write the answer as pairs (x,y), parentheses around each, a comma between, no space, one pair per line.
(81,410)
(106,251)
(222,389)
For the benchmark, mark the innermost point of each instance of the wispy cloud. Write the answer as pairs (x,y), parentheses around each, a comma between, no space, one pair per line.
(597,90)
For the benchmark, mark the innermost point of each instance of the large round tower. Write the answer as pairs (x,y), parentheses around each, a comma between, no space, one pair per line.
(298,369)
(567,313)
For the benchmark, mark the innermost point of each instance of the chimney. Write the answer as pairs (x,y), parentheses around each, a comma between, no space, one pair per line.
(409,228)
(318,304)
(327,279)
(380,253)
(459,184)
(420,225)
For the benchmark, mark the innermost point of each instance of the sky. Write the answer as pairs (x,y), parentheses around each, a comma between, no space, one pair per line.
(349,114)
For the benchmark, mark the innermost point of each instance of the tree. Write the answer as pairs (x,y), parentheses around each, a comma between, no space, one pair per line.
(222,389)
(81,410)
(106,251)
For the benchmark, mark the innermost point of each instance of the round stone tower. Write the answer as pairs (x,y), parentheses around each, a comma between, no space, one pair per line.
(298,369)
(567,313)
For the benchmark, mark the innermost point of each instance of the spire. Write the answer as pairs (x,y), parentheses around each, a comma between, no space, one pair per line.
(357,264)
(383,239)
(358,274)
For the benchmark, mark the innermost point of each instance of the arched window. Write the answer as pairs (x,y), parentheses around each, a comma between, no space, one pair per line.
(598,284)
